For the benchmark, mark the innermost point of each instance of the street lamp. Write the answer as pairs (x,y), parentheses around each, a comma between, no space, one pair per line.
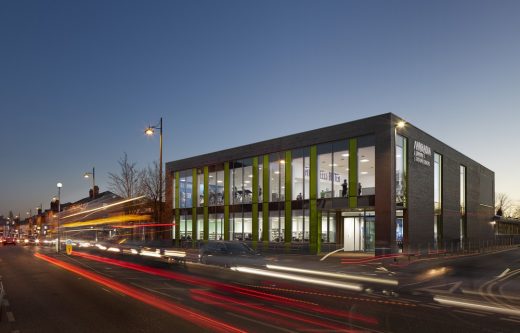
(150,131)
(93,174)
(59,185)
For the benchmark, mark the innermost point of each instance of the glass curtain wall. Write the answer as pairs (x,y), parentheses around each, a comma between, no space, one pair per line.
(185,191)
(400,170)
(366,169)
(437,197)
(277,174)
(333,169)
(325,170)
(462,205)
(277,225)
(185,227)
(216,185)
(340,168)
(200,187)
(300,192)
(328,227)
(216,226)
(241,189)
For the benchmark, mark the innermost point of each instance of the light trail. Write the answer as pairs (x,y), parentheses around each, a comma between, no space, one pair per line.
(291,316)
(474,305)
(107,220)
(200,282)
(327,283)
(104,207)
(143,225)
(334,275)
(161,304)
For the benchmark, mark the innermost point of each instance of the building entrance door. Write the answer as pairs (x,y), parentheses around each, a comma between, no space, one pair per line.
(353,233)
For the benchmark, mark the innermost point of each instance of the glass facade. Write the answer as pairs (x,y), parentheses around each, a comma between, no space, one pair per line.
(232,210)
(400,170)
(463,226)
(366,170)
(437,197)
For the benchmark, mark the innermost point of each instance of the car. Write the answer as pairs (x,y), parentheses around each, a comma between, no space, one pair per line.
(31,240)
(229,254)
(9,241)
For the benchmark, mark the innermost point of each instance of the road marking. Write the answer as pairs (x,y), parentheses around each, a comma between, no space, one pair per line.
(504,273)
(260,323)
(10,316)
(443,288)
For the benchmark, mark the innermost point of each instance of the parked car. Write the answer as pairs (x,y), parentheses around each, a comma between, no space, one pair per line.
(9,241)
(229,254)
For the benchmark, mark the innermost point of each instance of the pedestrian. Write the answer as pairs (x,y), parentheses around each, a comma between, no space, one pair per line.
(344,188)
(359,189)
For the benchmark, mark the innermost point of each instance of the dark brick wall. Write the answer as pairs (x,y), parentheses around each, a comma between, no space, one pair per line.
(421,188)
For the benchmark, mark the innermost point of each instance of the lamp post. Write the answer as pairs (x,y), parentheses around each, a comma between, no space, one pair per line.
(59,185)
(150,131)
(93,174)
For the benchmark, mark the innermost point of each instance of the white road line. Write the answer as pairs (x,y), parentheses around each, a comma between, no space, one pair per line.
(10,316)
(260,323)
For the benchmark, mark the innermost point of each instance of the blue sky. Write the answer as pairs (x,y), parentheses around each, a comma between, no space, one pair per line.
(79,80)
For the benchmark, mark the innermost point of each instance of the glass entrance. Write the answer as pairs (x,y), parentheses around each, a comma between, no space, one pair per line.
(359,233)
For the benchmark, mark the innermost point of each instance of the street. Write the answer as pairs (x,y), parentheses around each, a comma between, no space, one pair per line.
(87,292)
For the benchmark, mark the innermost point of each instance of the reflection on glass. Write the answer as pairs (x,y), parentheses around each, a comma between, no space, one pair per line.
(400,170)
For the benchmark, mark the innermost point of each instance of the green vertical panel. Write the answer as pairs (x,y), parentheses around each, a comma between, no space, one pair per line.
(353,173)
(314,237)
(194,202)
(288,197)
(206,202)
(177,207)
(265,199)
(226,201)
(254,210)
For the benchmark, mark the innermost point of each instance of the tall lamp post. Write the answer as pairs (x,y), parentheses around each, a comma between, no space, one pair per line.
(93,174)
(59,185)
(150,131)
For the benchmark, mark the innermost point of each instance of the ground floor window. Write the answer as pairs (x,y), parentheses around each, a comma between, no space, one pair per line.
(328,227)
(242,227)
(186,227)
(216,226)
(300,225)
(276,226)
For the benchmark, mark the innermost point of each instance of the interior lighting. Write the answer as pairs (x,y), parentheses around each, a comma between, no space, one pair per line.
(364,160)
(344,155)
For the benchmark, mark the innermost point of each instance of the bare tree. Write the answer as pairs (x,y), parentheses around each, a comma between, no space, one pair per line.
(128,183)
(503,204)
(152,188)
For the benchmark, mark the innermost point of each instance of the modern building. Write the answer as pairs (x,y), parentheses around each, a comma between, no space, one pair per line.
(377,184)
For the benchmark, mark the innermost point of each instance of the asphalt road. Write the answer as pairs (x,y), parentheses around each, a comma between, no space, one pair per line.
(78,293)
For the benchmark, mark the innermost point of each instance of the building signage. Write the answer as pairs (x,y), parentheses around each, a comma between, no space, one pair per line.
(422,153)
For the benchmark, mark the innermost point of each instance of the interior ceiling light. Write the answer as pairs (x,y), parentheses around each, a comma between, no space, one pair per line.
(364,160)
(364,173)
(344,155)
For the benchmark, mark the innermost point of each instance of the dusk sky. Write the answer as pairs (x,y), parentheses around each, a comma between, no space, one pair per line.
(80,80)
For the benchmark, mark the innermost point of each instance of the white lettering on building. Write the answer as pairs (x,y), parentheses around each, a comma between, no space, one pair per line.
(422,153)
